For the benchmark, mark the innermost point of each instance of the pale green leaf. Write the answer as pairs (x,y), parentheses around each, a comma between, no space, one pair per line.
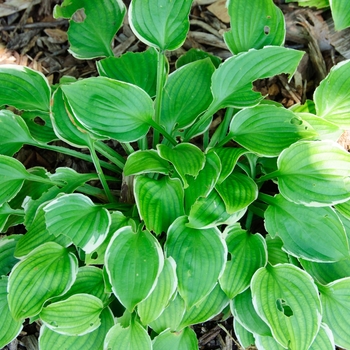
(13,133)
(77,315)
(186,94)
(12,176)
(76,216)
(134,262)
(340,14)
(324,339)
(9,327)
(333,94)
(50,270)
(275,253)
(299,228)
(159,202)
(138,68)
(195,54)
(267,343)
(344,209)
(267,130)
(200,258)
(7,249)
(183,340)
(312,3)
(162,24)
(187,159)
(119,110)
(254,25)
(245,338)
(237,191)
(134,337)
(286,298)
(243,311)
(171,317)
(24,88)
(336,307)
(92,25)
(314,173)
(206,309)
(247,253)
(94,340)
(151,308)
(143,162)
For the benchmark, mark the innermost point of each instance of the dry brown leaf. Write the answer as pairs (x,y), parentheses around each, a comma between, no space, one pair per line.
(10,7)
(219,9)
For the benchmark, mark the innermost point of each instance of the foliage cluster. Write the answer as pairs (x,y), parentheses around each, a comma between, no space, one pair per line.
(170,237)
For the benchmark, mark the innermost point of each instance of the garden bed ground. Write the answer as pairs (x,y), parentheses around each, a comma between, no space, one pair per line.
(30,36)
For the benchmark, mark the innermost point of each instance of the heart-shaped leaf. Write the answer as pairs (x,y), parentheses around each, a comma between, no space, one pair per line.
(9,327)
(314,173)
(94,340)
(162,24)
(133,262)
(286,298)
(92,26)
(77,217)
(24,88)
(247,254)
(159,202)
(50,270)
(254,25)
(183,340)
(200,257)
(119,110)
(299,228)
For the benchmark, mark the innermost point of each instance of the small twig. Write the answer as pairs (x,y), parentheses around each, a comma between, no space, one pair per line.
(38,25)
(207,27)
(233,339)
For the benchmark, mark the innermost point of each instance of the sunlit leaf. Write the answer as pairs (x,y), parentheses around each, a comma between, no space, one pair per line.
(324,339)
(134,262)
(183,340)
(340,14)
(195,54)
(267,343)
(50,270)
(244,337)
(275,253)
(92,25)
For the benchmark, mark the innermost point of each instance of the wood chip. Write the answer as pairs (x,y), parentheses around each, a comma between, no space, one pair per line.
(10,7)
(219,9)
(208,39)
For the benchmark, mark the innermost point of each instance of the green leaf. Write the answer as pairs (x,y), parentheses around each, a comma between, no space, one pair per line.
(243,311)
(134,337)
(94,340)
(247,253)
(77,315)
(12,176)
(159,202)
(92,26)
(6,212)
(134,262)
(162,24)
(314,173)
(63,125)
(200,258)
(340,14)
(336,306)
(344,209)
(299,228)
(254,25)
(327,272)
(324,339)
(193,55)
(150,308)
(149,161)
(286,298)
(171,317)
(119,110)
(232,81)
(187,159)
(206,309)
(13,133)
(77,217)
(24,88)
(333,94)
(50,270)
(186,94)
(237,191)
(245,338)
(267,343)
(9,327)
(267,130)
(7,257)
(138,68)
(275,253)
(183,340)
(312,3)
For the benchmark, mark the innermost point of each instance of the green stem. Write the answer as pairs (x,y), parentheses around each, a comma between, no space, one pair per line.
(127,148)
(266,198)
(266,177)
(142,143)
(76,154)
(110,154)
(99,171)
(159,95)
(249,220)
(162,131)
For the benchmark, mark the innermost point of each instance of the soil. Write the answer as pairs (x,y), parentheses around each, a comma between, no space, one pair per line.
(30,36)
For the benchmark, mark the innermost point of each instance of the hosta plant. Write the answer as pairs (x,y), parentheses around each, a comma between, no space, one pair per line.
(183,219)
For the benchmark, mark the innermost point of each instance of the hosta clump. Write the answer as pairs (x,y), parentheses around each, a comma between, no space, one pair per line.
(174,244)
